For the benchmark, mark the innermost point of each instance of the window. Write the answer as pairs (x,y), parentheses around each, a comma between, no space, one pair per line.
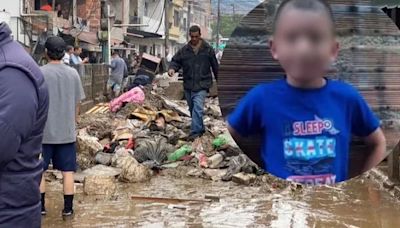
(176,18)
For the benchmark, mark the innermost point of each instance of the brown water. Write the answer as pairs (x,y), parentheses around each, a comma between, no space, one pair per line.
(357,203)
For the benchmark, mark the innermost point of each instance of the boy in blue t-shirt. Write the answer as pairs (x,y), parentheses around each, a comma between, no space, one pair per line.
(306,120)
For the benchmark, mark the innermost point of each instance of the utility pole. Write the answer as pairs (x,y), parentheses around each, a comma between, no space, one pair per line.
(74,12)
(233,12)
(189,19)
(218,22)
(166,20)
(108,34)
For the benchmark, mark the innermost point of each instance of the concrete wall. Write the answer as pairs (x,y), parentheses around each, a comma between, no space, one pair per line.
(11,7)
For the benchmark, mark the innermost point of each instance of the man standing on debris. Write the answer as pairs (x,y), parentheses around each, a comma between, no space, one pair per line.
(66,93)
(197,58)
(119,70)
(24,103)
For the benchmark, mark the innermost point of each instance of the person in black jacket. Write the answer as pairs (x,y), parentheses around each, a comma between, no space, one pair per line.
(198,61)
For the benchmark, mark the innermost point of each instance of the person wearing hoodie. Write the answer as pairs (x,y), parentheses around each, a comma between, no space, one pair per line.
(198,62)
(24,105)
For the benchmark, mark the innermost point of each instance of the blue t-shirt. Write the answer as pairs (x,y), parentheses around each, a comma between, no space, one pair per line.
(306,132)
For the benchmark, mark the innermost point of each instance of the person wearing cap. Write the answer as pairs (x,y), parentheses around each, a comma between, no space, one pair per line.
(24,104)
(65,93)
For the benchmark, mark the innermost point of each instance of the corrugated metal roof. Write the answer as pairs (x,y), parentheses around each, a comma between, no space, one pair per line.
(373,68)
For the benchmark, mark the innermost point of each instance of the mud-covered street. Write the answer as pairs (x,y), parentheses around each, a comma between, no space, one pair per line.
(357,203)
(210,184)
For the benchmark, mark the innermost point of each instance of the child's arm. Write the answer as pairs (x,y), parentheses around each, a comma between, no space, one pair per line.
(246,119)
(367,126)
(376,142)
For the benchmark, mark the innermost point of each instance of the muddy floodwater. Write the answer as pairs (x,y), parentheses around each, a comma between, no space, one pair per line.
(358,203)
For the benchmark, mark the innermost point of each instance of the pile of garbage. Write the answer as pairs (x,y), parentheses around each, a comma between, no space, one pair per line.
(146,135)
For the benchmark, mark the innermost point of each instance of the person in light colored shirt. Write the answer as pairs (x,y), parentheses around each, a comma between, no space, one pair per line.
(75,57)
(67,57)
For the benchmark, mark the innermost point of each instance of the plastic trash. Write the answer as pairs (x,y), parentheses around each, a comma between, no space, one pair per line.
(178,154)
(215,160)
(220,141)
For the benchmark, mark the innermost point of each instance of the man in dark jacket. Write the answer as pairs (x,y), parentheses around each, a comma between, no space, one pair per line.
(24,103)
(197,59)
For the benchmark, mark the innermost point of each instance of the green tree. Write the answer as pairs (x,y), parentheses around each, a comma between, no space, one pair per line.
(228,25)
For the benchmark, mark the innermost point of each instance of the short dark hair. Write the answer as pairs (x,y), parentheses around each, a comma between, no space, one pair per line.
(76,48)
(314,5)
(194,29)
(115,53)
(69,48)
(55,47)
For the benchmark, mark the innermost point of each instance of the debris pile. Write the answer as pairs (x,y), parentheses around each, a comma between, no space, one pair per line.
(148,136)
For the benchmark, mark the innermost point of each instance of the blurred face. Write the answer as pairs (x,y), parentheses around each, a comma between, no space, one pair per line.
(78,51)
(304,43)
(195,38)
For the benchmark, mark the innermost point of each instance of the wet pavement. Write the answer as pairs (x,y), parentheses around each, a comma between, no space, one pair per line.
(357,203)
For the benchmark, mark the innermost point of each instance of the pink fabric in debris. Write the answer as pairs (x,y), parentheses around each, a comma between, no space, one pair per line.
(135,95)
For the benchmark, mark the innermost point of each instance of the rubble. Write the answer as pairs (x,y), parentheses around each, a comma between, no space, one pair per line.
(140,138)
(215,174)
(174,91)
(243,178)
(98,170)
(133,171)
(87,147)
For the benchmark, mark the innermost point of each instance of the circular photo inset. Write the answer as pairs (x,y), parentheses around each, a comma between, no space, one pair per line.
(310,89)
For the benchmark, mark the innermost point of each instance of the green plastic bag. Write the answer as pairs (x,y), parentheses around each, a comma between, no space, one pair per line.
(220,141)
(178,154)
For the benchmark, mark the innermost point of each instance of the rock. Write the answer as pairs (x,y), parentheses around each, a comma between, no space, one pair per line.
(99,185)
(174,91)
(195,173)
(244,179)
(98,170)
(87,147)
(85,161)
(215,174)
(102,170)
(87,144)
(214,161)
(133,171)
(103,158)
(117,160)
